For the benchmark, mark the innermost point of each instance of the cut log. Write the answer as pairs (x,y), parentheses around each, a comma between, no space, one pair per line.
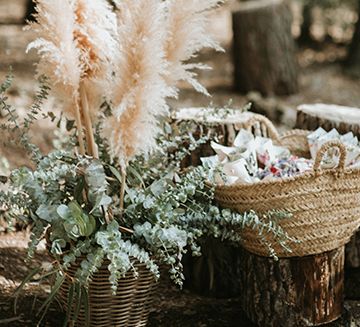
(264,49)
(30,11)
(344,119)
(13,12)
(294,292)
(216,272)
(13,43)
(222,124)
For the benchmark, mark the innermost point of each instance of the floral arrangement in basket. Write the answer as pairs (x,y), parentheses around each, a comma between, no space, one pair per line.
(321,194)
(113,201)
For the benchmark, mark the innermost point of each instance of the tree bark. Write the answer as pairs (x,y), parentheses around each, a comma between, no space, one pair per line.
(30,11)
(294,292)
(353,59)
(223,126)
(344,119)
(217,272)
(305,37)
(264,49)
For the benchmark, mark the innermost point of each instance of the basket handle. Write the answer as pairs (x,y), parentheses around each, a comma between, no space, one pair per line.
(325,148)
(260,125)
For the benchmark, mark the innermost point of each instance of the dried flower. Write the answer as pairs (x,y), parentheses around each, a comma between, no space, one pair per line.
(187,22)
(139,87)
(95,34)
(59,54)
(76,41)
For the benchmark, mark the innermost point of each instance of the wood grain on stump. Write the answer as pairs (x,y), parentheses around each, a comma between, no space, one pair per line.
(344,119)
(220,124)
(264,49)
(216,272)
(294,292)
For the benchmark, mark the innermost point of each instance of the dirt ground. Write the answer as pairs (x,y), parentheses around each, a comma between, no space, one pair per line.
(171,306)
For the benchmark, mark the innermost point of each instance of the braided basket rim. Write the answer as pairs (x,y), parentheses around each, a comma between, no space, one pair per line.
(328,179)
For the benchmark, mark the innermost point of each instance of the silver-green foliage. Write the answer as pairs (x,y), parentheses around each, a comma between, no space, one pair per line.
(73,202)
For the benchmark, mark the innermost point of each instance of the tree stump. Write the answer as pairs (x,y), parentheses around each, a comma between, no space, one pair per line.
(293,292)
(344,119)
(216,272)
(30,11)
(264,49)
(222,124)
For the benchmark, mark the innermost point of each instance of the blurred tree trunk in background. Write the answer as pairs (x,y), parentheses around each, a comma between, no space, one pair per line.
(353,60)
(30,10)
(305,33)
(264,48)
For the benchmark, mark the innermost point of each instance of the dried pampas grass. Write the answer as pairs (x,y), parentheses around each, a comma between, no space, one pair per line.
(59,54)
(187,21)
(76,41)
(96,37)
(156,40)
(139,87)
(139,55)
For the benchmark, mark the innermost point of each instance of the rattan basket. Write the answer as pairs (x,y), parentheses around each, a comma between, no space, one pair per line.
(128,308)
(325,204)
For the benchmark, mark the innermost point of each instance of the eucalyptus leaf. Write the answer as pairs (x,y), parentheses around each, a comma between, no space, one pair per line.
(47,212)
(63,211)
(158,187)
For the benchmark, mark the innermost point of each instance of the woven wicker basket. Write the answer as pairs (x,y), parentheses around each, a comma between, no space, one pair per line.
(325,204)
(128,308)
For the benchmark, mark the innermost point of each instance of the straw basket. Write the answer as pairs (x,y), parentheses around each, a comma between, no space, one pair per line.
(324,203)
(128,308)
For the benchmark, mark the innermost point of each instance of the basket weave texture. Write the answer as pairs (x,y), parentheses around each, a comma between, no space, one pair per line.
(128,308)
(324,203)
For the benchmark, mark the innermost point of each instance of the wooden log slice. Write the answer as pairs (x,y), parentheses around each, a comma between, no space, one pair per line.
(294,292)
(220,124)
(344,119)
(216,272)
(264,49)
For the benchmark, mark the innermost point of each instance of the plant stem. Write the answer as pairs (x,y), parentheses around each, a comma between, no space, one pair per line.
(127,230)
(92,147)
(122,189)
(79,125)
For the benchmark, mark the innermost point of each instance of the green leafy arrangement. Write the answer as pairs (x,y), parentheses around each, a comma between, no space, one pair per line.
(72,201)
(117,193)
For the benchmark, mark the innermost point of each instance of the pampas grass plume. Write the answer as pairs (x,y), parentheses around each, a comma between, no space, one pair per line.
(186,35)
(139,87)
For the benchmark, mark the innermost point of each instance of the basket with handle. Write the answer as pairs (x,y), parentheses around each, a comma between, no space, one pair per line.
(130,306)
(324,203)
